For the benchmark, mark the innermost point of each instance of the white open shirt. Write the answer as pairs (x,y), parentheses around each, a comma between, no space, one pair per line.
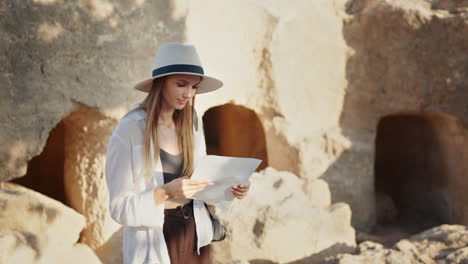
(131,201)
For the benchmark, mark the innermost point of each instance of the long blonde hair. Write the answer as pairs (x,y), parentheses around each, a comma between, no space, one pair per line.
(184,126)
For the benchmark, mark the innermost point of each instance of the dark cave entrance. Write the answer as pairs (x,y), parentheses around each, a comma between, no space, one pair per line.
(233,130)
(419,173)
(45,171)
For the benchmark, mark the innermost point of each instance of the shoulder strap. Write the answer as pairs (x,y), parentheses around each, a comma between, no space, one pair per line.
(195,119)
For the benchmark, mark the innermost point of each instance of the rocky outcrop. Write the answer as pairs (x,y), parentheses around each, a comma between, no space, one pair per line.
(72,54)
(37,229)
(280,211)
(85,141)
(405,59)
(454,6)
(278,222)
(315,79)
(445,244)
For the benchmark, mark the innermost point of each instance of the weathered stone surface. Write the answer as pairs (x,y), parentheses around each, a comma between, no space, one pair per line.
(124,55)
(67,53)
(277,214)
(111,251)
(451,5)
(404,58)
(320,75)
(318,193)
(37,229)
(457,256)
(277,75)
(91,55)
(443,244)
(85,139)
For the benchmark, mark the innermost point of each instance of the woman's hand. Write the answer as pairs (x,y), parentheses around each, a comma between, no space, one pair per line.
(239,191)
(184,187)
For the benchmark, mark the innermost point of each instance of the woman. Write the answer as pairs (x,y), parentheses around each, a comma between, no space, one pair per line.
(151,155)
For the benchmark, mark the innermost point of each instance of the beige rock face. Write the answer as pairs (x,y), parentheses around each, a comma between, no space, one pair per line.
(443,244)
(115,56)
(451,5)
(318,83)
(111,251)
(81,52)
(297,89)
(85,140)
(406,59)
(274,74)
(277,222)
(37,229)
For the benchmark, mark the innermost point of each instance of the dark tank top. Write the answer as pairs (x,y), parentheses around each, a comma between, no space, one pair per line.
(171,165)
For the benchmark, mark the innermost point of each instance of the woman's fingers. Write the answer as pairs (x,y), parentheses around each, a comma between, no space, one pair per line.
(240,187)
(191,189)
(244,186)
(239,191)
(202,182)
(198,181)
(192,192)
(239,196)
(194,187)
(195,184)
(184,187)
(237,187)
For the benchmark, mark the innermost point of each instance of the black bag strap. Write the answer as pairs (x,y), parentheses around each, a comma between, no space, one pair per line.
(195,119)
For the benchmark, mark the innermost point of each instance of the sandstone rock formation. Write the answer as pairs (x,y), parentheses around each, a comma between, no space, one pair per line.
(37,229)
(346,95)
(405,60)
(450,5)
(281,212)
(57,57)
(445,244)
(277,222)
(85,141)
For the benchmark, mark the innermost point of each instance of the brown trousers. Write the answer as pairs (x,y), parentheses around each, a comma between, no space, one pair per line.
(181,238)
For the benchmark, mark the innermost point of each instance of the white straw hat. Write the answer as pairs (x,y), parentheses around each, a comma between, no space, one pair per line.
(177,58)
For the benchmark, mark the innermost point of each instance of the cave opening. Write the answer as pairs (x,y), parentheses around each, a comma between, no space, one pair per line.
(70,169)
(45,171)
(420,173)
(236,131)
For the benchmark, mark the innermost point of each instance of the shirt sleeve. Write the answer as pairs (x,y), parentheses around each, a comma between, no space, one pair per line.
(126,206)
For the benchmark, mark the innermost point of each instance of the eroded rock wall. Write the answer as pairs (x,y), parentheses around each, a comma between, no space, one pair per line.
(286,68)
(37,229)
(281,224)
(59,54)
(85,142)
(91,57)
(445,244)
(318,74)
(405,58)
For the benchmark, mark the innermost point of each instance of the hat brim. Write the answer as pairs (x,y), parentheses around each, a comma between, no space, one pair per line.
(208,83)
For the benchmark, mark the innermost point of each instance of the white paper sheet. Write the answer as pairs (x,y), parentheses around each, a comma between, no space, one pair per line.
(224,172)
